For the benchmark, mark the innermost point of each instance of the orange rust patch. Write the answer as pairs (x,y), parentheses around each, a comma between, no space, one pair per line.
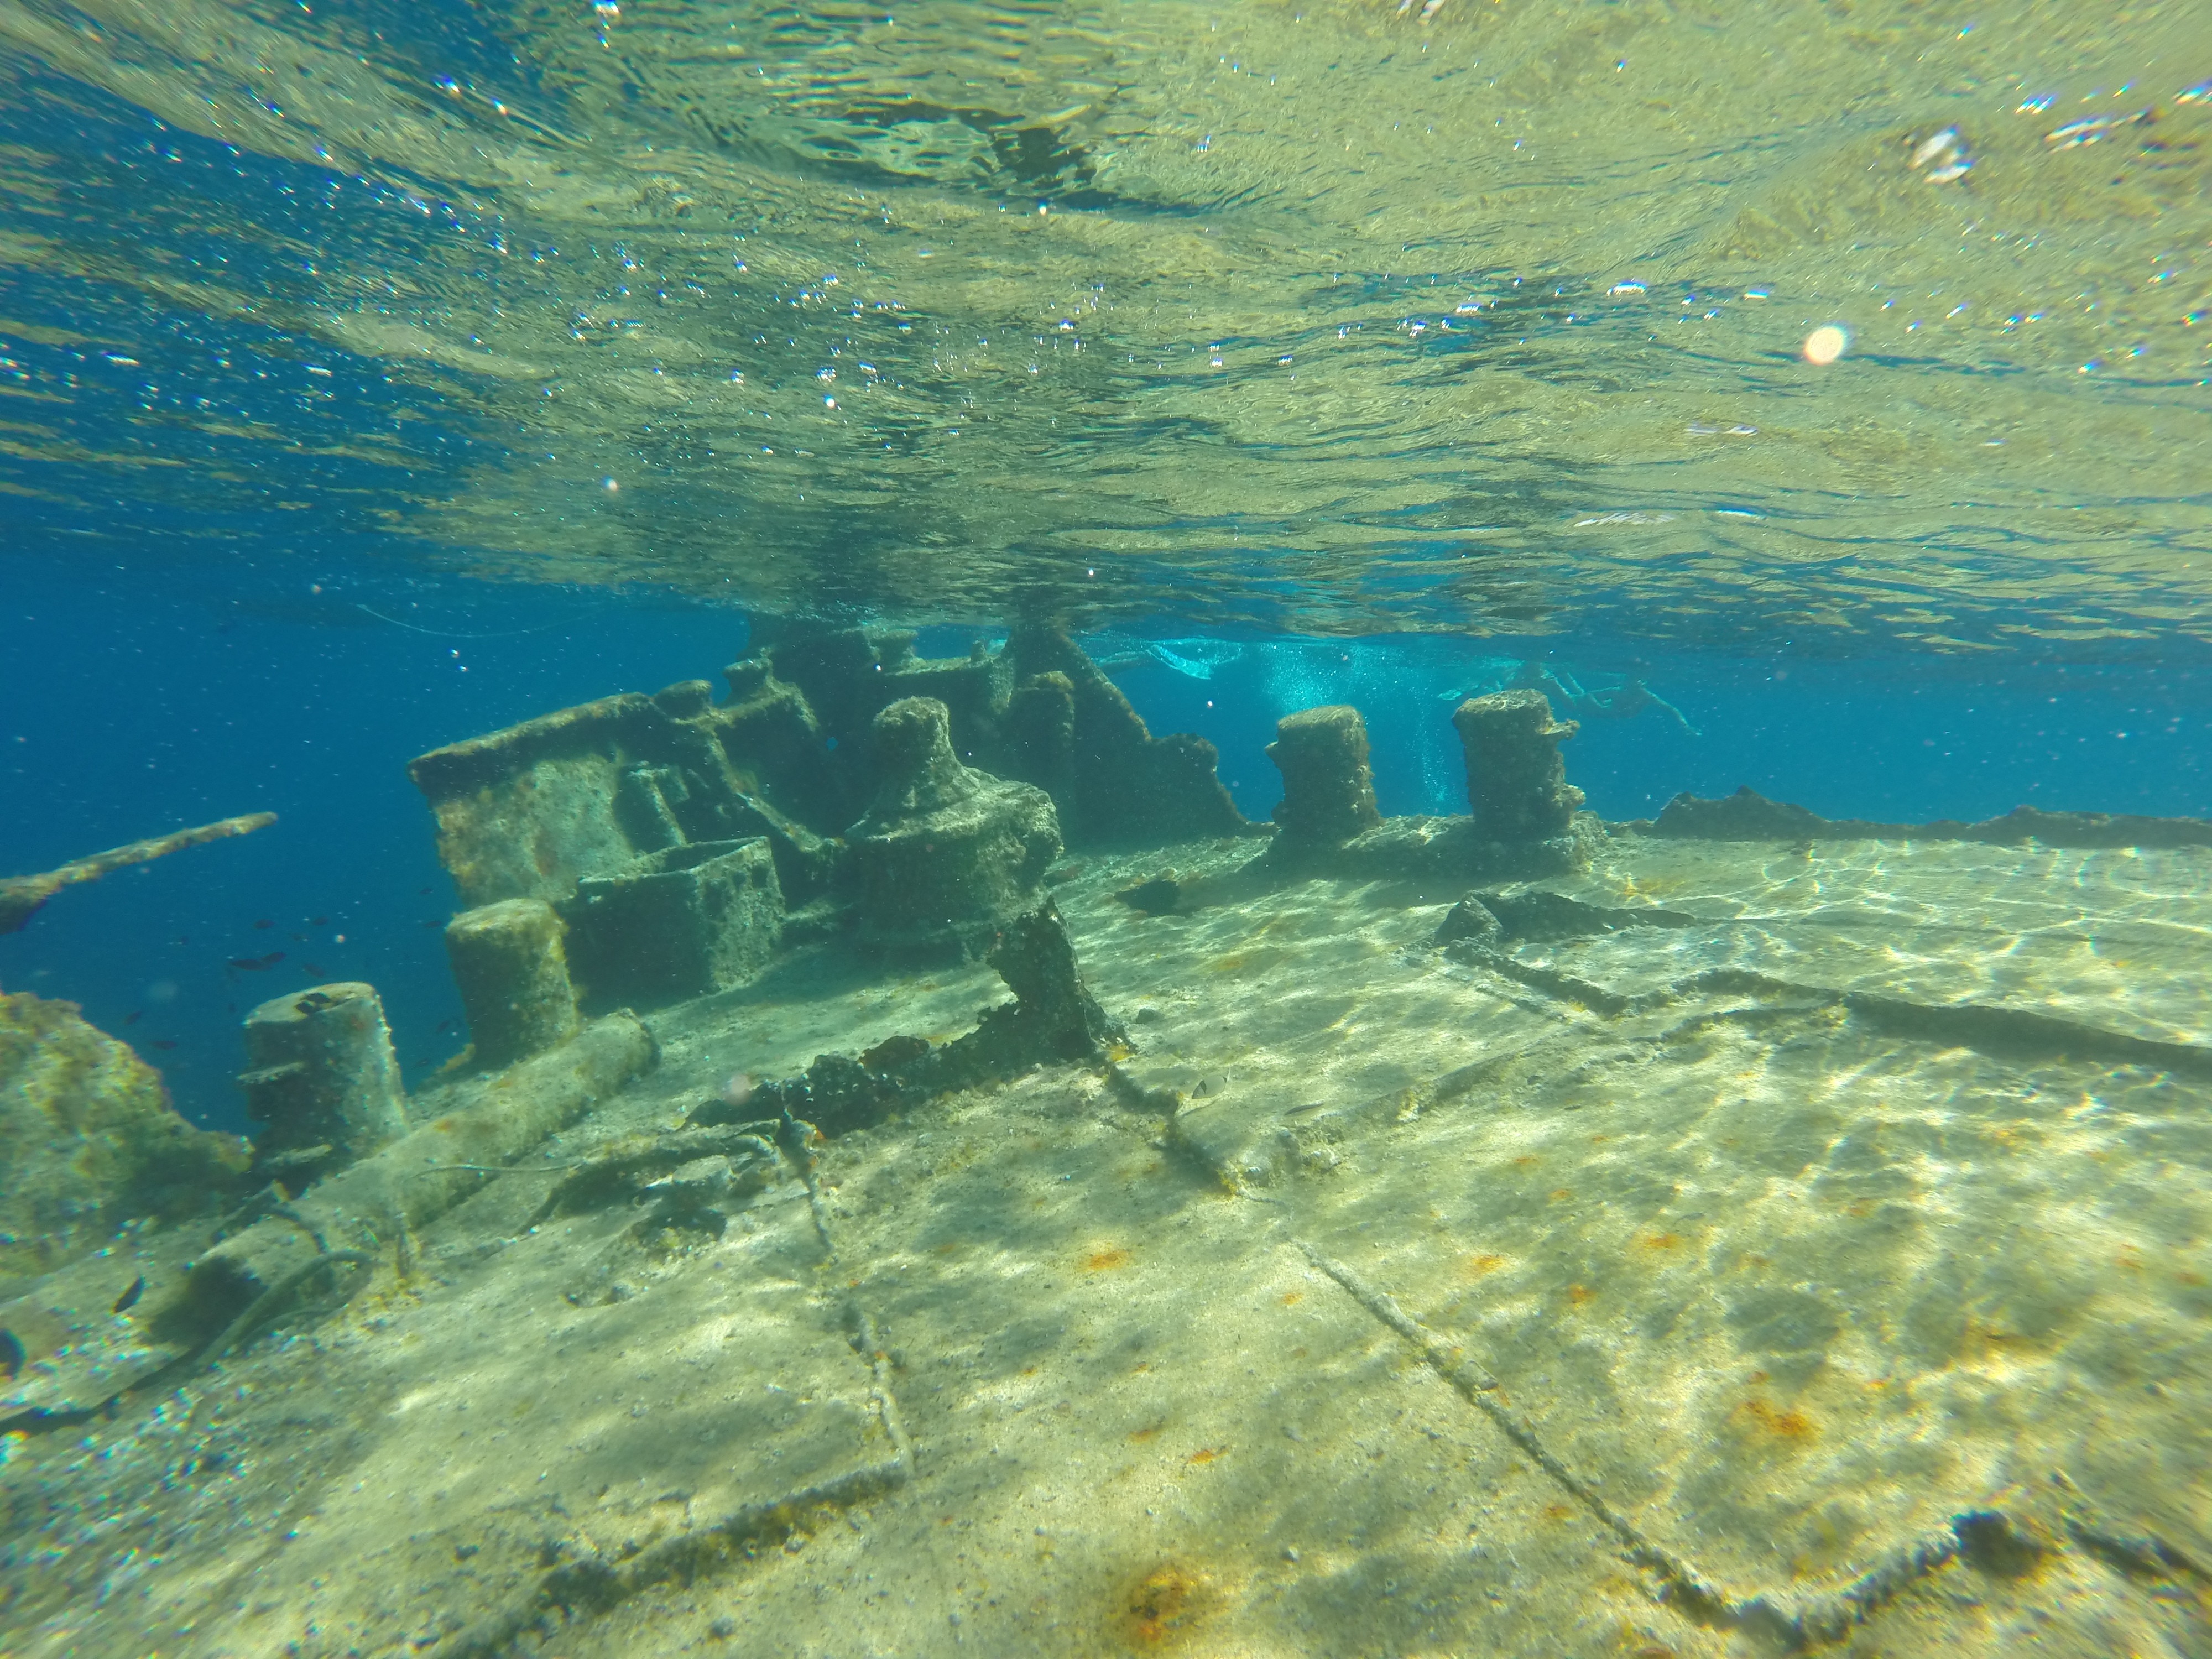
(1560,1195)
(1105,1261)
(1657,1241)
(1289,1297)
(1524,1160)
(1558,1512)
(1783,1424)
(1152,1433)
(1581,1294)
(1481,1262)
(1164,1603)
(1203,1454)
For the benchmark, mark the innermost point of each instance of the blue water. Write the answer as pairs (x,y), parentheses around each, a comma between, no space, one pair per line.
(139,699)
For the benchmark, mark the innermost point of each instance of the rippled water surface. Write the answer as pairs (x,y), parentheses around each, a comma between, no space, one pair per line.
(1341,317)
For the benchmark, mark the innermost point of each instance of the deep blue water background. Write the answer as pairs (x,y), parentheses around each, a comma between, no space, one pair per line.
(139,699)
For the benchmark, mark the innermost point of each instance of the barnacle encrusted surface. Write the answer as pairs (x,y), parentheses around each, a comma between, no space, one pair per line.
(88,1139)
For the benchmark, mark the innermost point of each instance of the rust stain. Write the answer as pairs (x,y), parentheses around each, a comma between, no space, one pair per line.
(1783,1424)
(1290,1298)
(1203,1454)
(1480,1263)
(1164,1603)
(1659,1241)
(1581,1294)
(1105,1261)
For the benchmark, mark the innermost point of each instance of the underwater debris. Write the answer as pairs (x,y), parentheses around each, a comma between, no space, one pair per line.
(414,1178)
(1526,824)
(1748,816)
(791,758)
(1156,897)
(1516,784)
(1329,790)
(1471,922)
(88,1140)
(1124,784)
(663,1165)
(21,896)
(513,974)
(1537,915)
(323,1080)
(946,855)
(1053,1018)
(699,917)
(527,812)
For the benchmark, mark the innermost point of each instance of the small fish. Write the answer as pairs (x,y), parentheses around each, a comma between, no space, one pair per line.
(444,1026)
(313,969)
(255,964)
(129,1300)
(262,924)
(1942,144)
(12,1356)
(422,892)
(297,939)
(162,1043)
(134,1016)
(317,922)
(2075,133)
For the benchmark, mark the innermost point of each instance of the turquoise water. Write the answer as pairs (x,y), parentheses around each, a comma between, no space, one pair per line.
(1801,1245)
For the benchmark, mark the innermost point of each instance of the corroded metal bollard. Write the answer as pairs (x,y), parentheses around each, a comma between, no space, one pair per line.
(1329,790)
(324,1081)
(1517,785)
(512,972)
